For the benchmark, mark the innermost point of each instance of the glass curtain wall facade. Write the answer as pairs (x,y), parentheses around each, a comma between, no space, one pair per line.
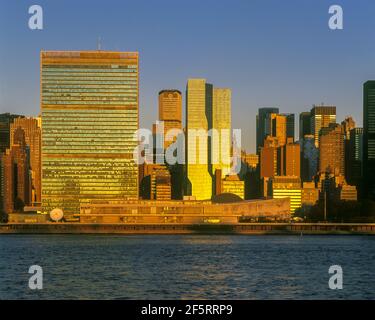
(198,117)
(221,120)
(89,103)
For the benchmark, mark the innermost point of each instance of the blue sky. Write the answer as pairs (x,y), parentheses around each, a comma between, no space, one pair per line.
(269,52)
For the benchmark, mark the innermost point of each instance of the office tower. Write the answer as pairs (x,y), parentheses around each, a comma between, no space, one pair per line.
(89,102)
(321,117)
(309,158)
(16,180)
(335,189)
(347,192)
(251,160)
(268,158)
(170,111)
(156,183)
(6,119)
(304,124)
(355,157)
(289,159)
(250,173)
(276,126)
(347,125)
(261,125)
(310,194)
(32,129)
(198,122)
(369,139)
(287,187)
(331,159)
(290,125)
(233,184)
(221,122)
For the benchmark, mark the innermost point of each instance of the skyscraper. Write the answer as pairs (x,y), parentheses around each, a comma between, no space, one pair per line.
(304,124)
(16,182)
(321,117)
(32,130)
(6,119)
(332,150)
(290,125)
(369,139)
(170,111)
(221,121)
(309,158)
(268,158)
(289,159)
(156,184)
(198,122)
(355,157)
(287,187)
(261,125)
(347,125)
(276,126)
(89,102)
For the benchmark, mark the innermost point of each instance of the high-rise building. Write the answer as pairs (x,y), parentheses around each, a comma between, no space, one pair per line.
(276,126)
(347,125)
(268,158)
(304,124)
(289,162)
(89,102)
(287,187)
(290,125)
(156,183)
(310,194)
(321,117)
(221,122)
(233,184)
(369,139)
(347,192)
(198,122)
(16,180)
(261,121)
(332,150)
(251,160)
(354,172)
(32,129)
(6,119)
(309,158)
(170,111)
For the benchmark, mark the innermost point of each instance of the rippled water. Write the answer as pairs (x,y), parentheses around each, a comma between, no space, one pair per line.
(186,267)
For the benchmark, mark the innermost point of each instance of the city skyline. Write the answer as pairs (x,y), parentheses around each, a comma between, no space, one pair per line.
(289,77)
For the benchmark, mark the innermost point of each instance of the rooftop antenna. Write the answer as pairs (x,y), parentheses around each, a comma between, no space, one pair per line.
(99,44)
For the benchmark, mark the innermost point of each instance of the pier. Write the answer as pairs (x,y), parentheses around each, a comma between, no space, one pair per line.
(179,228)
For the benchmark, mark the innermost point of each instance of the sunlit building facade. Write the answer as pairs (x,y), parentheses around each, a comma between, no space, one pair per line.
(32,131)
(89,103)
(221,122)
(170,112)
(6,119)
(321,117)
(233,184)
(276,126)
(198,120)
(261,124)
(332,152)
(287,187)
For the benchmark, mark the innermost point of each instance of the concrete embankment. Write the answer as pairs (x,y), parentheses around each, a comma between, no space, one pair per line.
(241,228)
